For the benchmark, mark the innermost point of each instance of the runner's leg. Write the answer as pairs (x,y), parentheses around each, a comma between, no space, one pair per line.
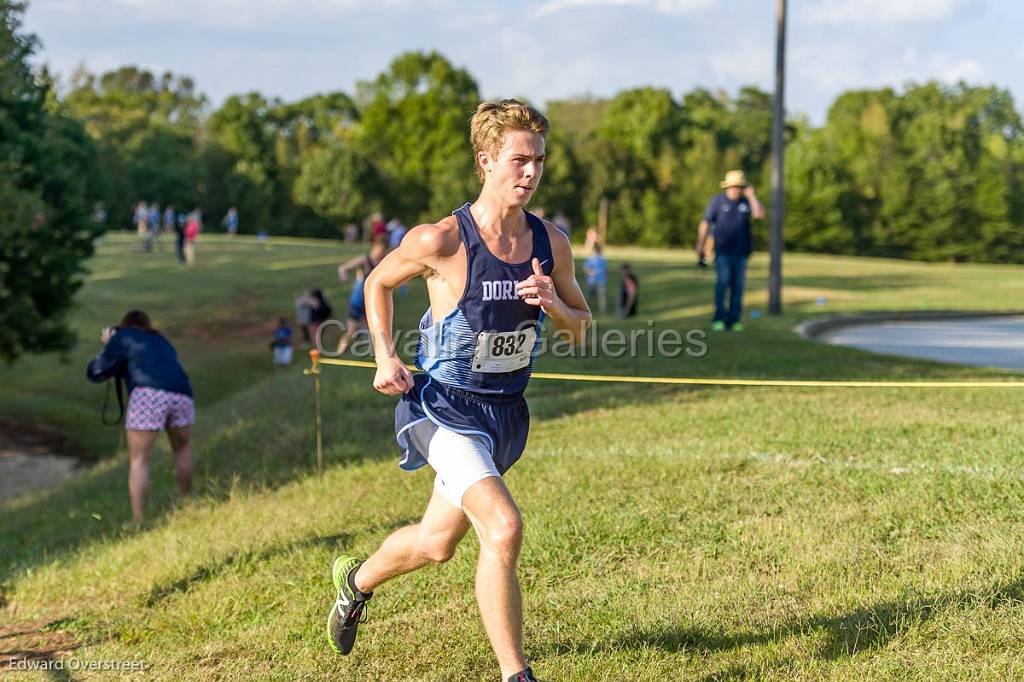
(432,540)
(499,526)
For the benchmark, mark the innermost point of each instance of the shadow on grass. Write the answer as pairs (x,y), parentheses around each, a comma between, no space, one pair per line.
(859,282)
(48,641)
(37,643)
(846,634)
(210,571)
(214,569)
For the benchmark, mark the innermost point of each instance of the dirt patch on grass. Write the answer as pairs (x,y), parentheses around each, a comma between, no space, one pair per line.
(41,640)
(34,439)
(228,331)
(33,457)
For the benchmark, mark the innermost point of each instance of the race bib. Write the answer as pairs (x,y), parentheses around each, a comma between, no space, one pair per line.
(498,352)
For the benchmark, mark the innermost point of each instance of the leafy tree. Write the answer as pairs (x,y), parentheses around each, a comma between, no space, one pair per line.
(146,127)
(258,149)
(338,182)
(415,129)
(932,174)
(46,166)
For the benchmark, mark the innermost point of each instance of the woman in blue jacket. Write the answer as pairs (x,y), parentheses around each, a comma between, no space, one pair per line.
(160,398)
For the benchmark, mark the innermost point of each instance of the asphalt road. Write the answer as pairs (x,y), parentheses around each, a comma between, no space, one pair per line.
(982,341)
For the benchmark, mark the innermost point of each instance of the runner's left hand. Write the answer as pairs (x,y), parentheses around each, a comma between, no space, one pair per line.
(538,289)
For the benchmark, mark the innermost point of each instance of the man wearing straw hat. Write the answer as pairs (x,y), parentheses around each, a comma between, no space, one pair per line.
(728,217)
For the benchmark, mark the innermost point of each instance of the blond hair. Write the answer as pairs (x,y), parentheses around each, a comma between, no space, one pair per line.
(492,119)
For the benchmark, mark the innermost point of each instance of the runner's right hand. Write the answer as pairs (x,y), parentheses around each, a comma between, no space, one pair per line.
(392,377)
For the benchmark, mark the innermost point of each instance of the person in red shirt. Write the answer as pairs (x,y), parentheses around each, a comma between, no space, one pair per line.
(378,228)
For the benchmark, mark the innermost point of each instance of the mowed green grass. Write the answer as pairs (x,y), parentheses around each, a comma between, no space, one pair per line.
(672,533)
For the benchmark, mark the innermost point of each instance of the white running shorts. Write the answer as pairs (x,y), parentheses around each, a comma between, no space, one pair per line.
(460,460)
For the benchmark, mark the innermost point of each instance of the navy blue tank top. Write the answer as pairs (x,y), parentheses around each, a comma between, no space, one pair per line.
(448,351)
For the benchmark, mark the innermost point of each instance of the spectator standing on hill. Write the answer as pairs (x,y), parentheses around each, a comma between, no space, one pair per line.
(230,221)
(727,219)
(304,305)
(319,312)
(159,399)
(169,219)
(193,226)
(153,223)
(378,228)
(356,300)
(596,269)
(629,292)
(99,214)
(179,236)
(141,218)
(396,233)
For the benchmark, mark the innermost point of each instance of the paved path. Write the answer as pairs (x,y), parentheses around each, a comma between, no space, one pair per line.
(27,468)
(982,341)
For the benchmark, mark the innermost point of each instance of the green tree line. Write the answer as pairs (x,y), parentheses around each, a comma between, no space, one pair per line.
(932,173)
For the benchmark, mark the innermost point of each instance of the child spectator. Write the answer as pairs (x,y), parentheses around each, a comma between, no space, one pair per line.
(282,343)
(596,269)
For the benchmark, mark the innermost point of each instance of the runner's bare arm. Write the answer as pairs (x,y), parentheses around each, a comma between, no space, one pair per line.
(350,264)
(559,294)
(419,253)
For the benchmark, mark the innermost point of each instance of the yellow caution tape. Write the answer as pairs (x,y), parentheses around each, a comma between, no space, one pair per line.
(727,382)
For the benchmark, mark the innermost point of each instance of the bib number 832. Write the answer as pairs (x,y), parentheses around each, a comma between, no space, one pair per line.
(503,351)
(508,345)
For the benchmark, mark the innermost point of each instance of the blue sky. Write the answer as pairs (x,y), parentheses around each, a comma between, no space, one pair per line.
(544,49)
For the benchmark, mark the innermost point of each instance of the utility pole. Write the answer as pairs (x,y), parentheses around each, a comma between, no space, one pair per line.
(778,156)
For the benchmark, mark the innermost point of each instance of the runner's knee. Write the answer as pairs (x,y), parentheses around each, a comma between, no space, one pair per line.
(503,533)
(438,549)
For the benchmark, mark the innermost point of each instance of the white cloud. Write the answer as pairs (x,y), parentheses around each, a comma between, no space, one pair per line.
(831,69)
(964,70)
(234,14)
(752,65)
(662,6)
(847,12)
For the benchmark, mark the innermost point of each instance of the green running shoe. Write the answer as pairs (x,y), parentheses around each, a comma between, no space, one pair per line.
(349,606)
(738,327)
(718,326)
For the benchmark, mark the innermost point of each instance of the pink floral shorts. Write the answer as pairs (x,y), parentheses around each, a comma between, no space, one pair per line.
(153,409)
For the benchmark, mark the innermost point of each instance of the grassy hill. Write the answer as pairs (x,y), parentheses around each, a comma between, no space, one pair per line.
(671,533)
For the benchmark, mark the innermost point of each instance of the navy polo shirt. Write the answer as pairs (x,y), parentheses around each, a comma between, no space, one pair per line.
(730,224)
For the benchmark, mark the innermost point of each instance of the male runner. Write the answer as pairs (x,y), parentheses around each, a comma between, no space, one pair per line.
(494,272)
